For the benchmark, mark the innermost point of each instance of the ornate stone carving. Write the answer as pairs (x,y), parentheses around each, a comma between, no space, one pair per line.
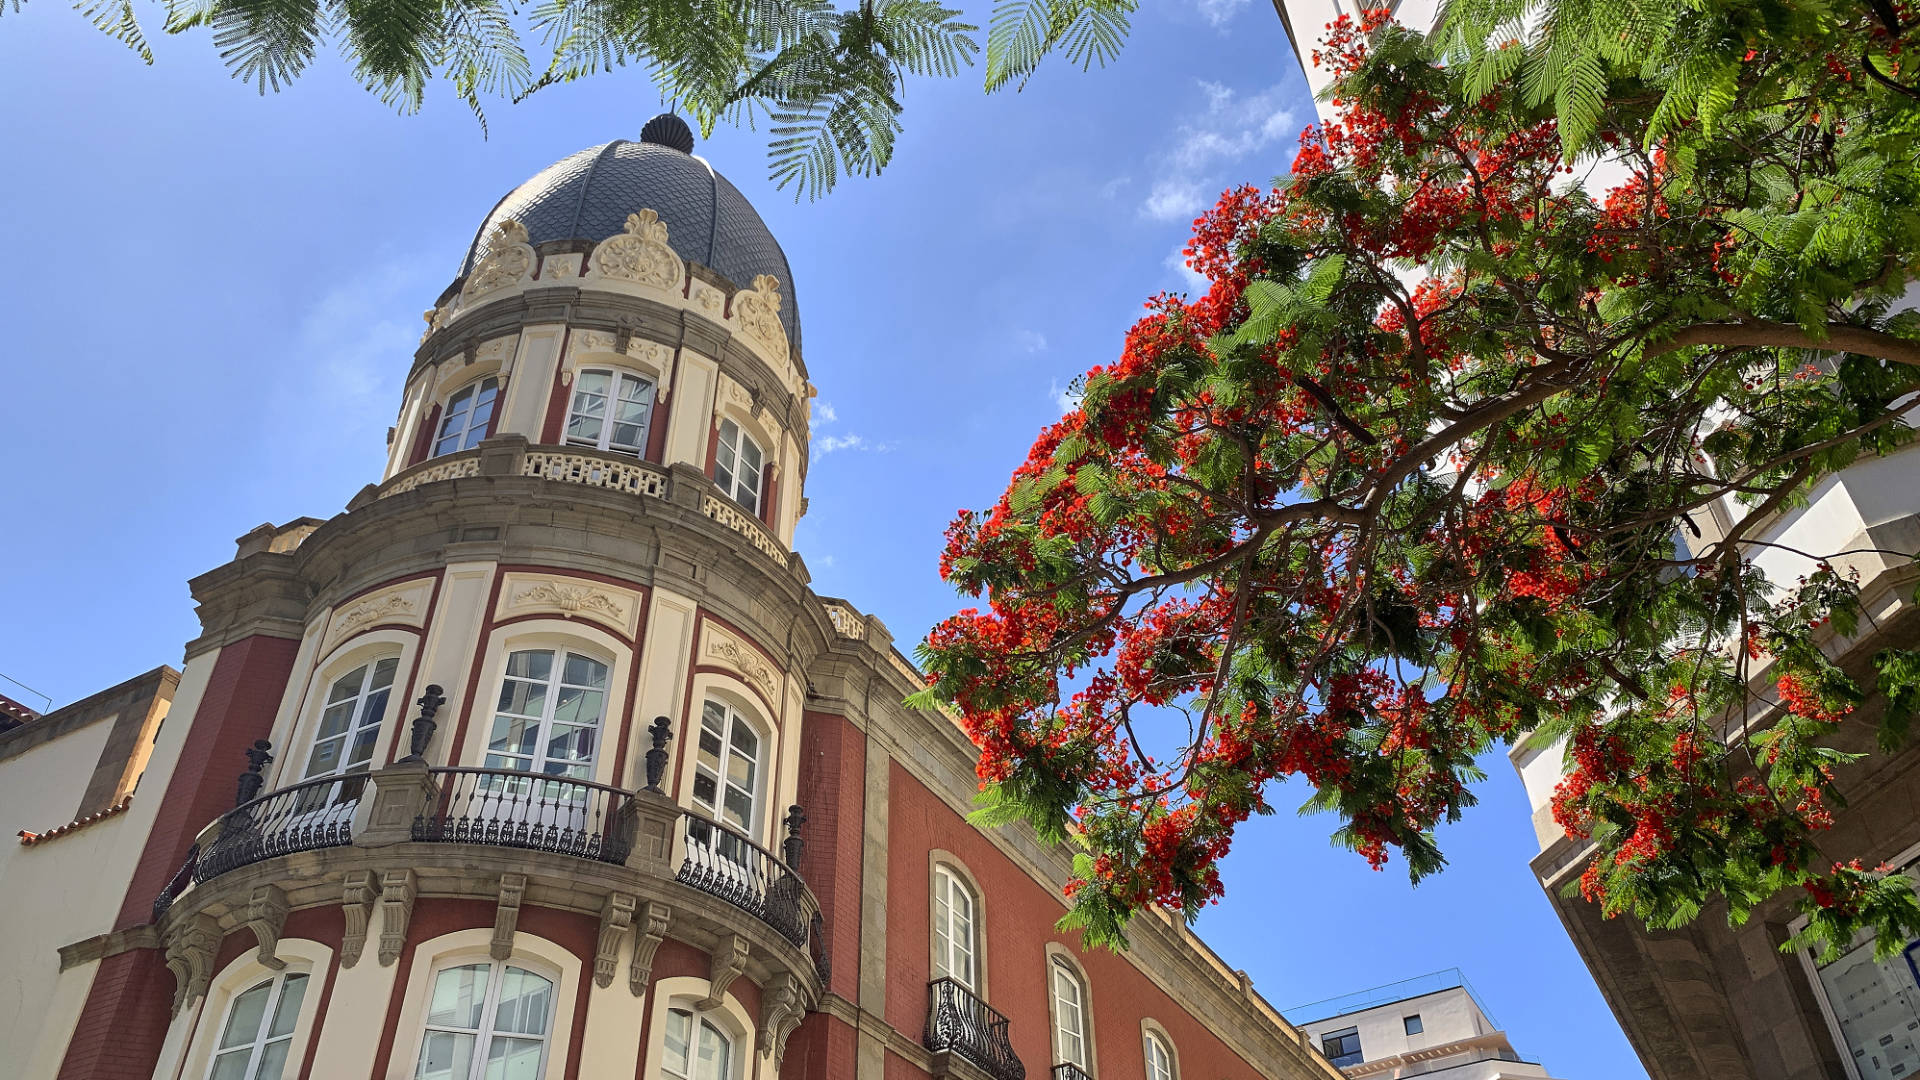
(356,903)
(758,312)
(593,341)
(266,915)
(509,261)
(506,915)
(652,931)
(709,299)
(370,611)
(496,349)
(191,945)
(616,918)
(776,1003)
(729,960)
(739,656)
(559,266)
(571,599)
(640,254)
(396,910)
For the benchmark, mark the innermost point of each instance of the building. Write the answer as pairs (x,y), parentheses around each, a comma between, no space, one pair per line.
(1432,1025)
(1709,1000)
(542,760)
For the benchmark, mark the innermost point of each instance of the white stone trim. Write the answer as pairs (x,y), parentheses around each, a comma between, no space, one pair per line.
(775,792)
(687,992)
(556,634)
(303,957)
(1054,952)
(1154,1029)
(535,954)
(938,859)
(293,734)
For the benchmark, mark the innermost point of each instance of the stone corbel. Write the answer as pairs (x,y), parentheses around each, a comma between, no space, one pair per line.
(396,910)
(616,918)
(651,933)
(729,960)
(781,999)
(266,915)
(506,915)
(191,946)
(356,904)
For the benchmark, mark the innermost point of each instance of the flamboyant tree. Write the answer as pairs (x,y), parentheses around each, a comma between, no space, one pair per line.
(1427,468)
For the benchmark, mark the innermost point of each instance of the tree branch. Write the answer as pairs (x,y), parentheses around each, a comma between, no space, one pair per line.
(1760,333)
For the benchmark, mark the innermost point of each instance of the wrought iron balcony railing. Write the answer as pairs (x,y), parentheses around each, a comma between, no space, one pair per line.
(1067,1070)
(505,808)
(311,814)
(960,1022)
(725,863)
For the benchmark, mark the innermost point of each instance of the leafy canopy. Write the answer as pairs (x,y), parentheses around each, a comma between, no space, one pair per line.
(1405,483)
(826,81)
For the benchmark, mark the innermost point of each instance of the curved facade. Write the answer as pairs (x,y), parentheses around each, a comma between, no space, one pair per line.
(543,760)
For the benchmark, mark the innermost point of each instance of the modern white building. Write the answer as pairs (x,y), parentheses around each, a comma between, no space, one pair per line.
(1433,1025)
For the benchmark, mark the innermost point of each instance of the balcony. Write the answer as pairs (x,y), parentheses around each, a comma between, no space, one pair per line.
(1069,1071)
(960,1024)
(635,859)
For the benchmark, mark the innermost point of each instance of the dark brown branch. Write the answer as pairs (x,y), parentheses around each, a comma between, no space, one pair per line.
(1759,333)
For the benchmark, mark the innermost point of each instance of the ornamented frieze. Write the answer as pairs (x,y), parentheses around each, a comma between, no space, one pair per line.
(722,649)
(404,604)
(609,605)
(509,261)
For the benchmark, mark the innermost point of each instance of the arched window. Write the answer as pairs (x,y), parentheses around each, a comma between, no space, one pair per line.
(955,944)
(1069,1014)
(736,466)
(259,1029)
(726,768)
(468,414)
(610,410)
(1159,1058)
(548,717)
(349,730)
(695,1049)
(485,1021)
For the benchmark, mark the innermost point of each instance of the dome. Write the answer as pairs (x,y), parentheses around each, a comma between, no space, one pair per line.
(588,195)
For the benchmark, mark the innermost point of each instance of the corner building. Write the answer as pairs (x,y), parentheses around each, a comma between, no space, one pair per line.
(542,760)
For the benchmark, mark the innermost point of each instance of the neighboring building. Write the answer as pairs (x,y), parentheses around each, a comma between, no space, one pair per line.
(1433,1025)
(542,760)
(1710,1002)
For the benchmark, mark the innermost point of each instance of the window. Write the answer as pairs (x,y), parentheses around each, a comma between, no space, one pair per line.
(486,1021)
(468,414)
(1069,1015)
(350,721)
(259,1029)
(726,770)
(696,1050)
(736,466)
(1413,1025)
(611,410)
(953,929)
(1159,1058)
(548,718)
(1342,1047)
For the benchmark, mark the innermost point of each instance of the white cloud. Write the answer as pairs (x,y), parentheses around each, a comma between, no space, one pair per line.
(1229,129)
(824,411)
(824,444)
(1066,398)
(1031,341)
(1196,282)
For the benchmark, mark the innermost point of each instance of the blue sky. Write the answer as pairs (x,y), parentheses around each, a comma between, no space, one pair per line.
(228,288)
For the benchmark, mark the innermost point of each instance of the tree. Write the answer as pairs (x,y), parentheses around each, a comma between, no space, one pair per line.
(826,81)
(1405,483)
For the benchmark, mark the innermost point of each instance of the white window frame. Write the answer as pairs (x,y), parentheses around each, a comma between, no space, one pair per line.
(484,1034)
(468,435)
(729,476)
(604,441)
(735,719)
(1904,862)
(366,668)
(947,883)
(261,1039)
(1153,1037)
(555,682)
(1063,975)
(699,1022)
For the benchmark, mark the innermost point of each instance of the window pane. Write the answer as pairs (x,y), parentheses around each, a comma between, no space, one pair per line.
(514,735)
(232,1065)
(739,809)
(705,790)
(273,1060)
(714,1052)
(383,672)
(325,758)
(364,743)
(525,1001)
(375,707)
(569,743)
(532,664)
(287,1011)
(740,772)
(709,756)
(746,742)
(348,685)
(585,671)
(679,1035)
(749,458)
(243,1018)
(445,1055)
(458,996)
(578,706)
(513,1059)
(522,697)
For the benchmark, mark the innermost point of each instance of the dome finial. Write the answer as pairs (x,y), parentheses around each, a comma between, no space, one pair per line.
(668,130)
